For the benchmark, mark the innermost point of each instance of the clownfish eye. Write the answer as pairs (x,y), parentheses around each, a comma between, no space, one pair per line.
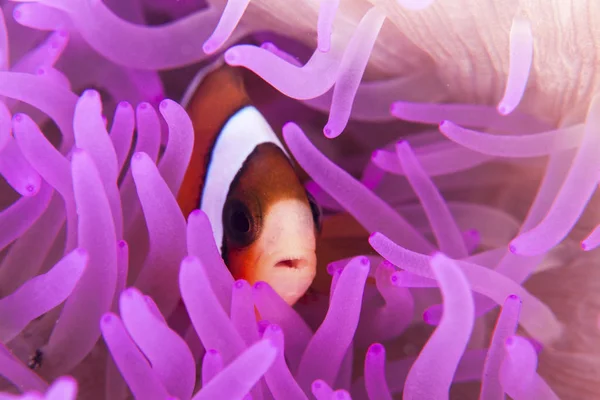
(316,211)
(241,227)
(239,221)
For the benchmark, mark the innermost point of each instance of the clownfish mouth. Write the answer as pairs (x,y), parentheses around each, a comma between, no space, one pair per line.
(289,276)
(300,260)
(293,263)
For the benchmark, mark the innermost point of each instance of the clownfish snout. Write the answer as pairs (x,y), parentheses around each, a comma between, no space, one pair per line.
(286,250)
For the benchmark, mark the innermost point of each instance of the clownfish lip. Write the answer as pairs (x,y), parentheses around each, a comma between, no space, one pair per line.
(296,261)
(293,263)
(290,275)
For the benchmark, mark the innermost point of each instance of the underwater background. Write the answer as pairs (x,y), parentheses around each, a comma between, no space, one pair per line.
(452,146)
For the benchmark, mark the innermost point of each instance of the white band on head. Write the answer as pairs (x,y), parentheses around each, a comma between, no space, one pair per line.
(245,130)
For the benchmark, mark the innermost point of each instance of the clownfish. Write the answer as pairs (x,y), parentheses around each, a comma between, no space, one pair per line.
(264,221)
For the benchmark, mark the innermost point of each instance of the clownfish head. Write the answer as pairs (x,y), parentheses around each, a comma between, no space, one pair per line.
(242,177)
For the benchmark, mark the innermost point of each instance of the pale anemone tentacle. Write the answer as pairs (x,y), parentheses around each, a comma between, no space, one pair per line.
(327,11)
(94,20)
(521,55)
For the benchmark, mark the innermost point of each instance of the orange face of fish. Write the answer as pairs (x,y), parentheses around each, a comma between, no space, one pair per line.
(270,225)
(269,222)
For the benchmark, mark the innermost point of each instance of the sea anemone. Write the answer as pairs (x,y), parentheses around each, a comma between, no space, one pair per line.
(457,137)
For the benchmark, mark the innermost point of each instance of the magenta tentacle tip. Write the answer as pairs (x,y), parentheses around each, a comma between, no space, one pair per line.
(108,318)
(329,132)
(209,47)
(376,348)
(510,341)
(232,57)
(189,259)
(78,151)
(137,157)
(239,284)
(83,253)
(330,269)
